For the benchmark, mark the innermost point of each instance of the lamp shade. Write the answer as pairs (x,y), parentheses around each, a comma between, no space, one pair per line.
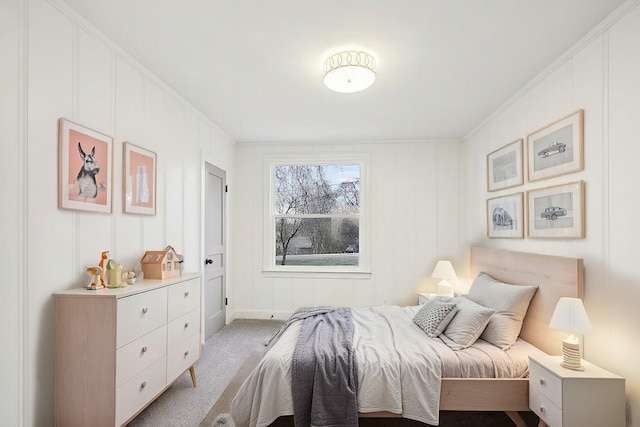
(570,316)
(444,270)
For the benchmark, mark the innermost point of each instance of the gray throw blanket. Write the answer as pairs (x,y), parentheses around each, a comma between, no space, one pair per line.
(300,314)
(324,378)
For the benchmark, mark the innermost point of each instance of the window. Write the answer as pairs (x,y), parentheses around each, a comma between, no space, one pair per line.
(315,219)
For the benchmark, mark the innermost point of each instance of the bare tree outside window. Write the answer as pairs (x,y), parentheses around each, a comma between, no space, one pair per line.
(316,211)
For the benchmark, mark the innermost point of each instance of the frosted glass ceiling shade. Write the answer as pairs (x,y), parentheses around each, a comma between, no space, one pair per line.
(349,71)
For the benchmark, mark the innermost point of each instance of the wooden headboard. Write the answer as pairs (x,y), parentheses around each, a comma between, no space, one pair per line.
(555,276)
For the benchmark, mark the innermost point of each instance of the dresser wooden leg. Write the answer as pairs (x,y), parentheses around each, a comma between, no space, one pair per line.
(541,423)
(193,375)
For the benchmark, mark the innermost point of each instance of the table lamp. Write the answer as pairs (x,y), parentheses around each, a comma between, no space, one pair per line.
(444,270)
(570,316)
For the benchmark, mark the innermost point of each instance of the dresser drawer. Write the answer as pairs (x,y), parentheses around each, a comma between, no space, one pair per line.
(545,409)
(183,297)
(140,354)
(182,357)
(545,383)
(139,390)
(140,314)
(183,328)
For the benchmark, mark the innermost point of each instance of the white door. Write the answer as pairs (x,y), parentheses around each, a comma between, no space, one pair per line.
(215,259)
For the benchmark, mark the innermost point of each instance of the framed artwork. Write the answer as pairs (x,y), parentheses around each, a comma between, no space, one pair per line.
(504,167)
(505,216)
(138,180)
(557,211)
(557,148)
(84,168)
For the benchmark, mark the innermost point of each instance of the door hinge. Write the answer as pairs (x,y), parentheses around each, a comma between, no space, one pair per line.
(226,301)
(226,188)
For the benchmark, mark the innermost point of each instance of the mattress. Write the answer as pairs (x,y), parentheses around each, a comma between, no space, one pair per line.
(399,368)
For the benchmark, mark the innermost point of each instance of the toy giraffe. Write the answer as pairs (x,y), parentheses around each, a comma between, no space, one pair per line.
(103,266)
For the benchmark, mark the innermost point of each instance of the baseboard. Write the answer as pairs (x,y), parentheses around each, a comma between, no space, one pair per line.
(260,315)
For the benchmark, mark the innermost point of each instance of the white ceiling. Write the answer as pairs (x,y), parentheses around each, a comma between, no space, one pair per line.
(254,67)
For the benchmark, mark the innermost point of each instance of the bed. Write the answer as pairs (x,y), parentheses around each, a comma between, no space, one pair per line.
(266,392)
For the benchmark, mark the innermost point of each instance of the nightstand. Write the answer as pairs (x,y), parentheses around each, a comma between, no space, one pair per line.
(566,398)
(424,297)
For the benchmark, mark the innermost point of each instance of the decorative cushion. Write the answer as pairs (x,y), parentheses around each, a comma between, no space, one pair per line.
(510,303)
(467,325)
(434,316)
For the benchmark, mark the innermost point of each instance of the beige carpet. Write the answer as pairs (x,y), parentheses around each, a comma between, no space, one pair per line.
(223,404)
(447,418)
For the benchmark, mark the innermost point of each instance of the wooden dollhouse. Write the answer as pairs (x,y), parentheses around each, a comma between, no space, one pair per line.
(162,264)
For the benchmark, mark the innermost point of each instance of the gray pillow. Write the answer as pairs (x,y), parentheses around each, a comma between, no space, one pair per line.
(434,316)
(510,303)
(467,325)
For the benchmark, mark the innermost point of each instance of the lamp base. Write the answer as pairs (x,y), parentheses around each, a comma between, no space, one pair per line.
(445,288)
(571,356)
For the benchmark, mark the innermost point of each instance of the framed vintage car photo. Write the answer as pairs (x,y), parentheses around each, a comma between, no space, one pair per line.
(557,148)
(505,216)
(557,211)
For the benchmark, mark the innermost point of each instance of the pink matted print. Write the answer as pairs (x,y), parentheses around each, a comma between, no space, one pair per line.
(85,168)
(139,180)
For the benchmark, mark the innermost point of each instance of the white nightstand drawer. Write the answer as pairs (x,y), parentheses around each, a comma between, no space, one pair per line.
(182,357)
(545,409)
(544,382)
(183,298)
(183,328)
(139,354)
(140,314)
(139,390)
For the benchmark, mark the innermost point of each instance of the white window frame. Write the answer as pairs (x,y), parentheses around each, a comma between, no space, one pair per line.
(270,268)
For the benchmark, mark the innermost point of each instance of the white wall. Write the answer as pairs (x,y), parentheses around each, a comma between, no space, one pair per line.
(55,65)
(415,202)
(602,78)
(11,224)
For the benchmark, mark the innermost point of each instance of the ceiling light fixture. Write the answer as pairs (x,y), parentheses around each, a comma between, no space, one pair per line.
(349,71)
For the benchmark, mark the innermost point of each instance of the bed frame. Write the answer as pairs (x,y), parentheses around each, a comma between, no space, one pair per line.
(556,277)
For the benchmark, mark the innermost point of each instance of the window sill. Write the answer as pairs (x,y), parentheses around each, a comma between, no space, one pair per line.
(359,275)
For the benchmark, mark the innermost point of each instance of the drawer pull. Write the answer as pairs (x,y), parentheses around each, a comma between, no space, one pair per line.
(144,349)
(542,381)
(143,385)
(186,353)
(186,294)
(186,325)
(542,409)
(144,310)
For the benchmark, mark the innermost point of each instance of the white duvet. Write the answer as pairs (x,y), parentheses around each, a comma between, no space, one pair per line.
(398,371)
(399,368)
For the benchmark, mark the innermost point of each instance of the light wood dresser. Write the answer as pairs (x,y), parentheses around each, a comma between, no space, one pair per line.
(116,350)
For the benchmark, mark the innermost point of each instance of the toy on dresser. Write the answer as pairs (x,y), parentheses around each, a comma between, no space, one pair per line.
(94,278)
(108,274)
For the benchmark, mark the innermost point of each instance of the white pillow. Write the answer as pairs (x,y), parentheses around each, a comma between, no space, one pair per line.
(467,325)
(434,316)
(510,303)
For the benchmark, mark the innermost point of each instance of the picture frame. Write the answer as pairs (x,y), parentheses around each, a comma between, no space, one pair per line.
(139,170)
(557,148)
(557,211)
(84,168)
(505,216)
(505,167)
